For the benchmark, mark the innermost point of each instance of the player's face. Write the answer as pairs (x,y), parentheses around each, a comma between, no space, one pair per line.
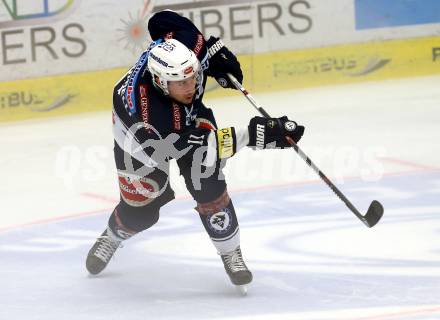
(183,91)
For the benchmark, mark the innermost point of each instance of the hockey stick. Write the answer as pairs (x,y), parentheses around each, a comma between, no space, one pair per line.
(375,211)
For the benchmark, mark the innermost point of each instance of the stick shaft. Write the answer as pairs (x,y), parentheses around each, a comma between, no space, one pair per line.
(301,153)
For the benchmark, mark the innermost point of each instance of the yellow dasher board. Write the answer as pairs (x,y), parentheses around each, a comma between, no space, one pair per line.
(284,70)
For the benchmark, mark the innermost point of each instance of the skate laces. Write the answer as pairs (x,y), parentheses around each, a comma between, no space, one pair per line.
(106,248)
(234,260)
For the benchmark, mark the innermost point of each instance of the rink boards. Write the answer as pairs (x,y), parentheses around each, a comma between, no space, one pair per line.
(311,258)
(92,91)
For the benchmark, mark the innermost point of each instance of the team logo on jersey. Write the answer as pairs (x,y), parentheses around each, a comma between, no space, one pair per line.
(137,192)
(220,222)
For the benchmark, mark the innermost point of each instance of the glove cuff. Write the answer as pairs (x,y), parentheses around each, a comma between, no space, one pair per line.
(213,49)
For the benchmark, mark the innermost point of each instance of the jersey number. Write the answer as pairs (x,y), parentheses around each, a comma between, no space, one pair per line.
(196,139)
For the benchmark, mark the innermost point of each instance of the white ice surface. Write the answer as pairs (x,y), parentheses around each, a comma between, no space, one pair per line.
(359,135)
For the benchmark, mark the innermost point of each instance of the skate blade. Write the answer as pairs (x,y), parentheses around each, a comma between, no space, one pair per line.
(242,289)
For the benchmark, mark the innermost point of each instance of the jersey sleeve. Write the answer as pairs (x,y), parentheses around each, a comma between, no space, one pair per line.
(169,24)
(164,22)
(206,146)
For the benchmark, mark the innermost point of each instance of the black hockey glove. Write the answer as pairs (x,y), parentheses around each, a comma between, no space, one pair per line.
(270,133)
(221,62)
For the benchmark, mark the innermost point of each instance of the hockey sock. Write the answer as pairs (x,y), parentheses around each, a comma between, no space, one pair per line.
(220,222)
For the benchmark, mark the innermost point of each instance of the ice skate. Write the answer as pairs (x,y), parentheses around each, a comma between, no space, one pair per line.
(237,269)
(101,253)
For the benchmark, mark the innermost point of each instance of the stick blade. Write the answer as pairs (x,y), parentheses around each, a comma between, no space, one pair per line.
(374,213)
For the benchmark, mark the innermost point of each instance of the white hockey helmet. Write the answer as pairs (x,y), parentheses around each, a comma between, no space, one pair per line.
(171,60)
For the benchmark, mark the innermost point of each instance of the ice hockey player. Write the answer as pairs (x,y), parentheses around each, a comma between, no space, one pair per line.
(158,115)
